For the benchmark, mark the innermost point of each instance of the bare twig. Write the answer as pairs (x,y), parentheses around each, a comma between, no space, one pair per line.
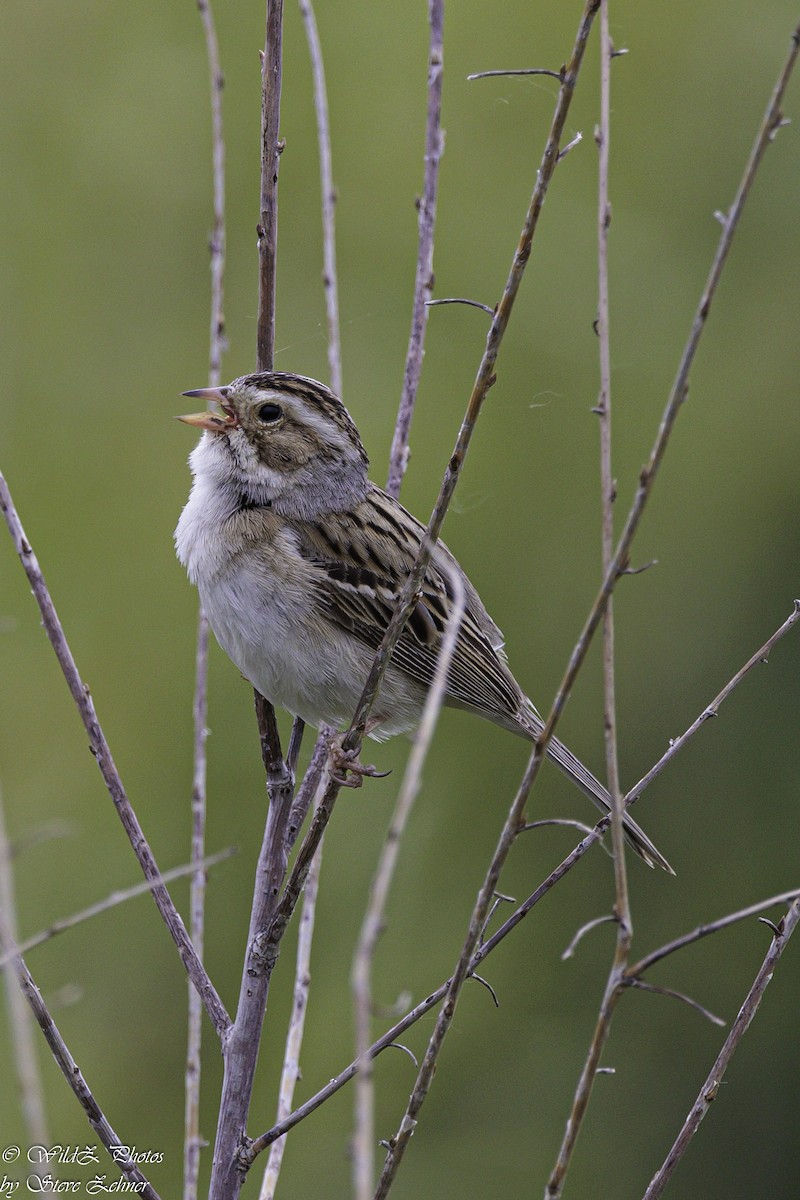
(271,149)
(111,901)
(761,655)
(461,300)
(688,939)
(710,1089)
(192,1143)
(100,749)
(69,1068)
(569,952)
(329,273)
(29,1079)
(622,910)
(424,280)
(665,991)
(375,915)
(522,71)
(294,1040)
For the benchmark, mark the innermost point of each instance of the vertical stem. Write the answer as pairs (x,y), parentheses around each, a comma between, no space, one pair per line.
(192,1139)
(240,1048)
(607,485)
(330,279)
(192,1144)
(294,1040)
(622,906)
(271,67)
(19,1018)
(424,279)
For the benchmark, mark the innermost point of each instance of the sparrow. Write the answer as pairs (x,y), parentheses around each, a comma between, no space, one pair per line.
(299,560)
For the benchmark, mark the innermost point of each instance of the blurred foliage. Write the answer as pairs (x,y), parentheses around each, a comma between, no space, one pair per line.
(104,132)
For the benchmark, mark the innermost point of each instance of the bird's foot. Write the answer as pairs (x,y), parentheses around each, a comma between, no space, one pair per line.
(346,767)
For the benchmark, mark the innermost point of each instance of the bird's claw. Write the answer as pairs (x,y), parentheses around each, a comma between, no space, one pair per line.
(346,767)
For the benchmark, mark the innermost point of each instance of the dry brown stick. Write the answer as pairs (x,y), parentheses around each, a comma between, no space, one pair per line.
(193,1142)
(424,279)
(100,749)
(69,1068)
(710,1089)
(29,1079)
(564,867)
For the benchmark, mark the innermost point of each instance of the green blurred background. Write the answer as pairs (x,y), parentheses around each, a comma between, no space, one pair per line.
(106,209)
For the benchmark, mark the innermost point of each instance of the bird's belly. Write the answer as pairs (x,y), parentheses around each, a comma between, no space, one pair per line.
(282,643)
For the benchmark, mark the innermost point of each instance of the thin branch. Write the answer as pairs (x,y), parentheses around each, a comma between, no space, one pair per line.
(461,300)
(192,1142)
(522,71)
(622,910)
(240,1049)
(569,952)
(216,347)
(375,915)
(710,1089)
(69,1068)
(761,656)
(271,149)
(294,1040)
(665,991)
(424,279)
(29,1080)
(100,749)
(329,272)
(644,964)
(112,900)
(399,1143)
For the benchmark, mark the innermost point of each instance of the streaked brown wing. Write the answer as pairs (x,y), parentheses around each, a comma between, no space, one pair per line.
(362,555)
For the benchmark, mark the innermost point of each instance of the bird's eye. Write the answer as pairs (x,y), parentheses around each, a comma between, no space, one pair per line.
(269,413)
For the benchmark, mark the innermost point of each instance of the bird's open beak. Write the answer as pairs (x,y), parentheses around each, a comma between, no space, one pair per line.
(212,421)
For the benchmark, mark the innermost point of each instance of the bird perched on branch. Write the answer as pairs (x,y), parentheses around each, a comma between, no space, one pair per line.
(299,560)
